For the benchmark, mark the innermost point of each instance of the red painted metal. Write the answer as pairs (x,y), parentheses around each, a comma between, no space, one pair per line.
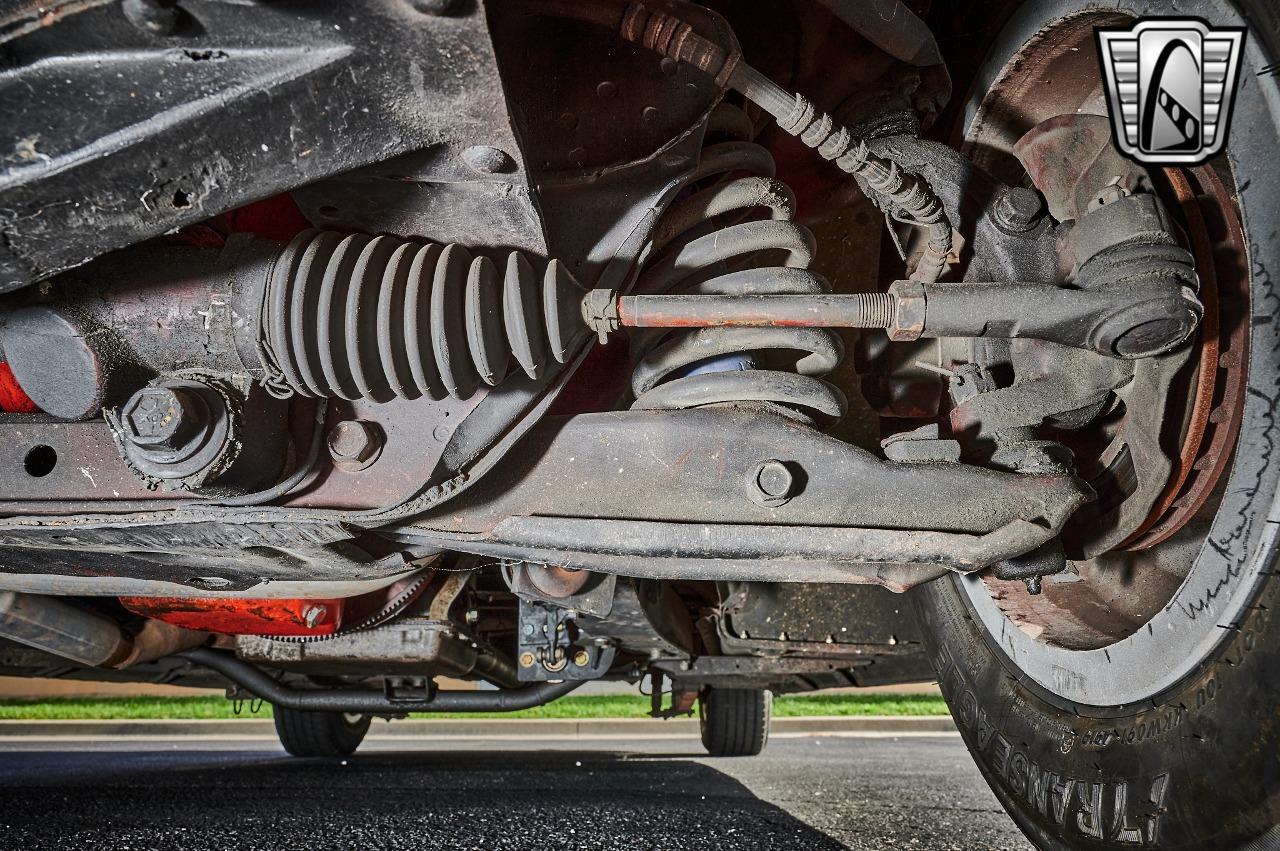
(277,218)
(13,400)
(231,616)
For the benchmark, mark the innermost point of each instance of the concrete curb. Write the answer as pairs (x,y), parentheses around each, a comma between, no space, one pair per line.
(480,728)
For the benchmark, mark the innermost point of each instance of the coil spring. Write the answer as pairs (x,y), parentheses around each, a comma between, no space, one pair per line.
(375,317)
(697,254)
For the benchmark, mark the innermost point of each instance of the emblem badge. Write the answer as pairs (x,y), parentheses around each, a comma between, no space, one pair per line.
(1170,85)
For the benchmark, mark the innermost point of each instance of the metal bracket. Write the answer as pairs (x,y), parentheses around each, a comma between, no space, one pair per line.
(550,649)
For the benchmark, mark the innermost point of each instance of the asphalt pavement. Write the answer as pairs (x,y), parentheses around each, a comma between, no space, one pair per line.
(806,792)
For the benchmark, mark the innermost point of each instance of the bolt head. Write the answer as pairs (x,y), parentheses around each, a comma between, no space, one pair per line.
(313,615)
(582,658)
(355,443)
(162,417)
(1018,209)
(773,481)
(526,660)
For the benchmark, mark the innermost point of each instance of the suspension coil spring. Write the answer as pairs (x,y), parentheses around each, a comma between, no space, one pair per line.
(697,253)
(376,317)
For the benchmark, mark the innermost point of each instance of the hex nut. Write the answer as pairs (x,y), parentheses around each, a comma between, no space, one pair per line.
(582,658)
(355,445)
(908,311)
(771,483)
(180,432)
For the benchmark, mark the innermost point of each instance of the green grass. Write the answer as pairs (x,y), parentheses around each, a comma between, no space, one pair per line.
(587,706)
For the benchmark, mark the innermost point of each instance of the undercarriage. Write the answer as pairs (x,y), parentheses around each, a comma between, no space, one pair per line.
(349,347)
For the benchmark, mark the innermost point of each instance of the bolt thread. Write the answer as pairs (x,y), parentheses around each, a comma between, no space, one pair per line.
(876,310)
(669,36)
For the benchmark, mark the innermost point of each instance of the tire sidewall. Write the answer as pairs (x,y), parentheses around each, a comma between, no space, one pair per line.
(1198,765)
(1197,769)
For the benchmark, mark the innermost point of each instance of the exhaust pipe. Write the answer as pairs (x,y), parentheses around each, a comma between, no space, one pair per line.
(59,628)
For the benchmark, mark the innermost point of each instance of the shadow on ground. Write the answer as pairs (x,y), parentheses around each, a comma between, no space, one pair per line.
(457,800)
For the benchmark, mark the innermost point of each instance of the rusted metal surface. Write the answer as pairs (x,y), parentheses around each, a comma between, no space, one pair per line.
(1055,73)
(1106,597)
(582,169)
(854,310)
(557,581)
(1069,156)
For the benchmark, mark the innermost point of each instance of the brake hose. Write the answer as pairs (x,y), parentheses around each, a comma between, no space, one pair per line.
(907,194)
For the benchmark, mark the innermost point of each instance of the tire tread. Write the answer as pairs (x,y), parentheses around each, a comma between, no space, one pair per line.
(735,722)
(318,734)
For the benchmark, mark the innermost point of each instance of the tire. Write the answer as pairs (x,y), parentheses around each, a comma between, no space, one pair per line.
(1153,740)
(305,733)
(734,721)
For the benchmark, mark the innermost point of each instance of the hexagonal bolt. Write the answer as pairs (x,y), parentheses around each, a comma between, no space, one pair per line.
(355,443)
(582,658)
(526,660)
(162,417)
(771,483)
(1018,209)
(313,615)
